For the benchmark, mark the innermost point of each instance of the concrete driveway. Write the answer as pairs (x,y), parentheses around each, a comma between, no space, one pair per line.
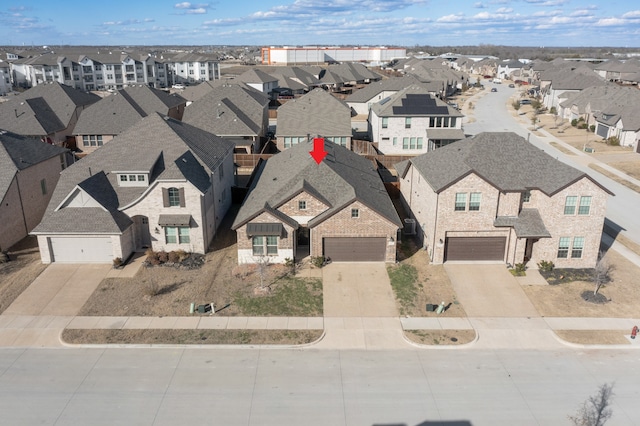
(60,290)
(359,308)
(489,290)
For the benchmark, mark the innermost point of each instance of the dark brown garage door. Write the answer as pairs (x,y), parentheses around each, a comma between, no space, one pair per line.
(475,248)
(345,249)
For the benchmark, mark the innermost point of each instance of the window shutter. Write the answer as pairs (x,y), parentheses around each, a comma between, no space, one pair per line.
(181,192)
(165,197)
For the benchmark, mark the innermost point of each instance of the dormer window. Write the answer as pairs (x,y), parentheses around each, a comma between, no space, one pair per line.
(133,179)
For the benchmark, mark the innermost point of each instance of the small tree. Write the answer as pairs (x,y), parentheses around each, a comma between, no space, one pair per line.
(515,105)
(263,263)
(601,272)
(596,410)
(534,120)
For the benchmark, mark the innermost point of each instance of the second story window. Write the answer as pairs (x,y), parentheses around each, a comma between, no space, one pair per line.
(474,201)
(355,213)
(302,205)
(461,202)
(173,197)
(585,205)
(407,122)
(385,122)
(526,196)
(570,205)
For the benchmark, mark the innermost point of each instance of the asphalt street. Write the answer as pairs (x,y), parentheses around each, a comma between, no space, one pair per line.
(137,386)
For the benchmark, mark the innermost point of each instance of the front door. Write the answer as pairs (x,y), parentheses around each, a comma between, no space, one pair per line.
(528,249)
(142,233)
(302,243)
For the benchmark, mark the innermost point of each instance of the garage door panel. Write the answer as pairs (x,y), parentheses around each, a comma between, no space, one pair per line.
(475,248)
(81,250)
(354,249)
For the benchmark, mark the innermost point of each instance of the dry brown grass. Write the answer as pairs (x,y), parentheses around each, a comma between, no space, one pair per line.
(192,337)
(441,337)
(631,168)
(17,274)
(614,177)
(564,300)
(590,337)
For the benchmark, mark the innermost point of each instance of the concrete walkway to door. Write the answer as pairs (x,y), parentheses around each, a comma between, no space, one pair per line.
(359,308)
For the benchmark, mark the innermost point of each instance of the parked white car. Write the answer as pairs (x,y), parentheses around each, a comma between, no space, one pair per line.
(178,86)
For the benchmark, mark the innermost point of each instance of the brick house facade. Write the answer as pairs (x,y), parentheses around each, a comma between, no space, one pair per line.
(297,208)
(479,213)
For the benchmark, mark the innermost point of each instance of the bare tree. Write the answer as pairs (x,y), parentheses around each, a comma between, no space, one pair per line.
(601,272)
(263,263)
(596,410)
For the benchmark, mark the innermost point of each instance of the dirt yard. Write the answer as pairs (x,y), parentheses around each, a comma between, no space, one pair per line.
(564,300)
(234,290)
(23,267)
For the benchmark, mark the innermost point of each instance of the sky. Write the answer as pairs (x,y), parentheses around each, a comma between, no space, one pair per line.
(535,23)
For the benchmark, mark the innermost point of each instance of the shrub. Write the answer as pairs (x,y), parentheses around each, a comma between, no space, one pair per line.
(152,257)
(182,255)
(117,262)
(546,266)
(553,111)
(582,125)
(317,261)
(290,264)
(592,128)
(519,270)
(163,256)
(613,141)
(174,257)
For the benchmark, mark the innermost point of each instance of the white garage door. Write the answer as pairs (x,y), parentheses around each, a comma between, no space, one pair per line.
(81,250)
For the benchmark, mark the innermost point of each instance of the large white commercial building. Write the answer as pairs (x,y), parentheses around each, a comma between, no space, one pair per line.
(288,55)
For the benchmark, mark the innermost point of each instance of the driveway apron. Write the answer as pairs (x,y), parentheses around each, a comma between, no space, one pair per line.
(359,308)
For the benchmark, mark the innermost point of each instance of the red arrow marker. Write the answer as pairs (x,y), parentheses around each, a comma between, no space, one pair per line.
(318,152)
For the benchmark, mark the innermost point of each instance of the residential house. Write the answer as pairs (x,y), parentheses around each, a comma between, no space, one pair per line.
(495,197)
(189,68)
(294,79)
(29,171)
(115,113)
(259,80)
(618,71)
(506,69)
(315,114)
(621,120)
(236,112)
(362,99)
(338,209)
(47,111)
(5,77)
(412,122)
(556,82)
(161,184)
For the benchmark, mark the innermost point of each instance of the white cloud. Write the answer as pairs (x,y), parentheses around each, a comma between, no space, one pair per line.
(504,10)
(610,22)
(632,14)
(192,8)
(458,17)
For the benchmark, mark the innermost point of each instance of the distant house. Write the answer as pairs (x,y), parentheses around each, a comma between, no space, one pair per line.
(337,209)
(361,100)
(238,113)
(117,112)
(29,172)
(47,111)
(494,197)
(413,122)
(317,113)
(161,184)
(259,80)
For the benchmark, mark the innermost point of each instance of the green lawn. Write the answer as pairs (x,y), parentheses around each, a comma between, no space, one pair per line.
(292,297)
(404,281)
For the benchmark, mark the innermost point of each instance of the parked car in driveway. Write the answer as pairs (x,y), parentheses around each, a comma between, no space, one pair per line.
(493,89)
(512,85)
(525,101)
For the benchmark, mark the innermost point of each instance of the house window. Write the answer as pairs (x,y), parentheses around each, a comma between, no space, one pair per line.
(439,122)
(526,196)
(419,143)
(174,197)
(407,122)
(405,143)
(578,245)
(461,202)
(453,122)
(123,178)
(432,122)
(265,245)
(355,213)
(563,247)
(43,186)
(177,234)
(585,205)
(140,178)
(385,122)
(92,140)
(395,141)
(570,205)
(474,201)
(302,205)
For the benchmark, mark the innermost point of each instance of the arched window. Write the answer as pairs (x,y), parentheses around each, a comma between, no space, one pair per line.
(173,197)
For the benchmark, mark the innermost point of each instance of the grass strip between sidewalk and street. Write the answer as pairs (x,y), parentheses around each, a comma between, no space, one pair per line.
(612,176)
(190,337)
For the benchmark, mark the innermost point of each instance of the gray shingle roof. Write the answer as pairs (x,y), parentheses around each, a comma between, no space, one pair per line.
(505,160)
(316,113)
(229,110)
(394,84)
(414,100)
(528,224)
(341,178)
(40,105)
(167,147)
(19,152)
(119,111)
